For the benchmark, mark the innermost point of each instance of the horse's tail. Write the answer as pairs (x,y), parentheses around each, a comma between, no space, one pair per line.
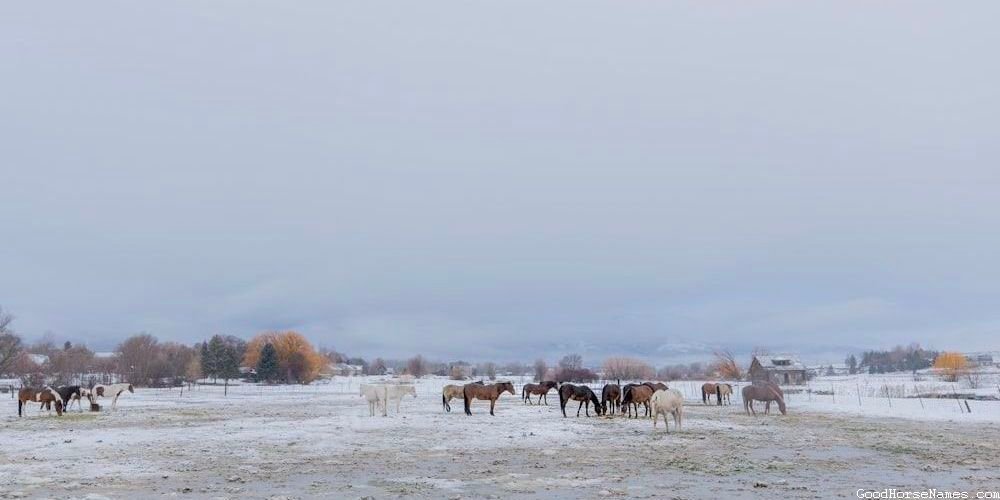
(444,401)
(20,404)
(465,398)
(718,394)
(524,392)
(704,396)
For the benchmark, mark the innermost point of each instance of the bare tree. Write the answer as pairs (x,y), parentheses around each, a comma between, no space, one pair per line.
(726,365)
(489,369)
(540,368)
(623,368)
(571,362)
(10,344)
(416,366)
(5,320)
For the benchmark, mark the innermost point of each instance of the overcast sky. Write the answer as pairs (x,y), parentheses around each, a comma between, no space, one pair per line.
(498,180)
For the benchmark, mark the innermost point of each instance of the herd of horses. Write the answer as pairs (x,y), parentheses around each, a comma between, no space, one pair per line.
(62,398)
(654,397)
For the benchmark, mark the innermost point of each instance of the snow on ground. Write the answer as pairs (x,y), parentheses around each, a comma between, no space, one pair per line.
(319,442)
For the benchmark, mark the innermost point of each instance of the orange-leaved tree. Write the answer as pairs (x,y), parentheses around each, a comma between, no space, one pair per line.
(950,365)
(298,361)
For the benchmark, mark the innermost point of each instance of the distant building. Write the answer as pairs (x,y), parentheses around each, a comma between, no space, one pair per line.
(780,369)
(347,370)
(982,359)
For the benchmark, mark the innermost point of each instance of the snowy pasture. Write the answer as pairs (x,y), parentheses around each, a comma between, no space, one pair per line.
(319,442)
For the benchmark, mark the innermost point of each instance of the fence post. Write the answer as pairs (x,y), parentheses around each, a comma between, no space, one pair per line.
(833,393)
(858,386)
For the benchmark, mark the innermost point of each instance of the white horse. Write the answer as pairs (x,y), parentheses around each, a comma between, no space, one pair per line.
(111,391)
(667,401)
(376,395)
(396,392)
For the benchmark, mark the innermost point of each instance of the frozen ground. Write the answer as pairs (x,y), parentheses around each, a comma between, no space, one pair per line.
(318,442)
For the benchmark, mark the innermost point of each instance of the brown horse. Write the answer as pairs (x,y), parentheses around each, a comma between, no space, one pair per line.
(491,392)
(766,392)
(43,396)
(611,398)
(633,394)
(723,393)
(541,390)
(452,391)
(707,390)
(580,393)
(656,386)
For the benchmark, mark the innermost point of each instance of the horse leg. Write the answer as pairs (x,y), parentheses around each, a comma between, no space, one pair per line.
(546,396)
(493,403)
(578,408)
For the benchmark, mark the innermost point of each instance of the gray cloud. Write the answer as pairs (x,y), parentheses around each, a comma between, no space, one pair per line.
(503,181)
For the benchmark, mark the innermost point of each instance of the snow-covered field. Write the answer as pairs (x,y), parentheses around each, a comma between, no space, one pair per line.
(318,442)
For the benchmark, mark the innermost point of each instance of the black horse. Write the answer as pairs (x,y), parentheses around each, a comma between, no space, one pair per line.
(580,393)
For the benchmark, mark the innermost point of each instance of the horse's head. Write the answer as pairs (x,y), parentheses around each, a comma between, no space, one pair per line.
(550,384)
(508,387)
(131,389)
(410,389)
(780,400)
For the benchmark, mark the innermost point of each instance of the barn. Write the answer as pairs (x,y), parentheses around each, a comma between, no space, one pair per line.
(780,369)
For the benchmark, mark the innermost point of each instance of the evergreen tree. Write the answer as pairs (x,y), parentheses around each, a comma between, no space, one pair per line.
(207,362)
(267,366)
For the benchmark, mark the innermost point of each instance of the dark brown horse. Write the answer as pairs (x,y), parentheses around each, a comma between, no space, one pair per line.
(766,392)
(611,398)
(580,393)
(541,390)
(656,386)
(491,392)
(43,396)
(634,394)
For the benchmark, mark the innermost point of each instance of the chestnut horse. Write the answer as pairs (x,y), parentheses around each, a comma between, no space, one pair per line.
(580,393)
(633,394)
(43,396)
(491,392)
(707,389)
(766,392)
(541,390)
(611,398)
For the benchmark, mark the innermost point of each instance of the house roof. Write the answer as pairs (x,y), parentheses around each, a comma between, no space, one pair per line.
(768,363)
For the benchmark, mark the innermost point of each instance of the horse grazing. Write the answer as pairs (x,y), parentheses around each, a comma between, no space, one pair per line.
(723,393)
(656,386)
(580,393)
(111,391)
(765,392)
(541,390)
(376,397)
(396,392)
(634,394)
(69,393)
(668,401)
(491,392)
(707,389)
(611,398)
(43,396)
